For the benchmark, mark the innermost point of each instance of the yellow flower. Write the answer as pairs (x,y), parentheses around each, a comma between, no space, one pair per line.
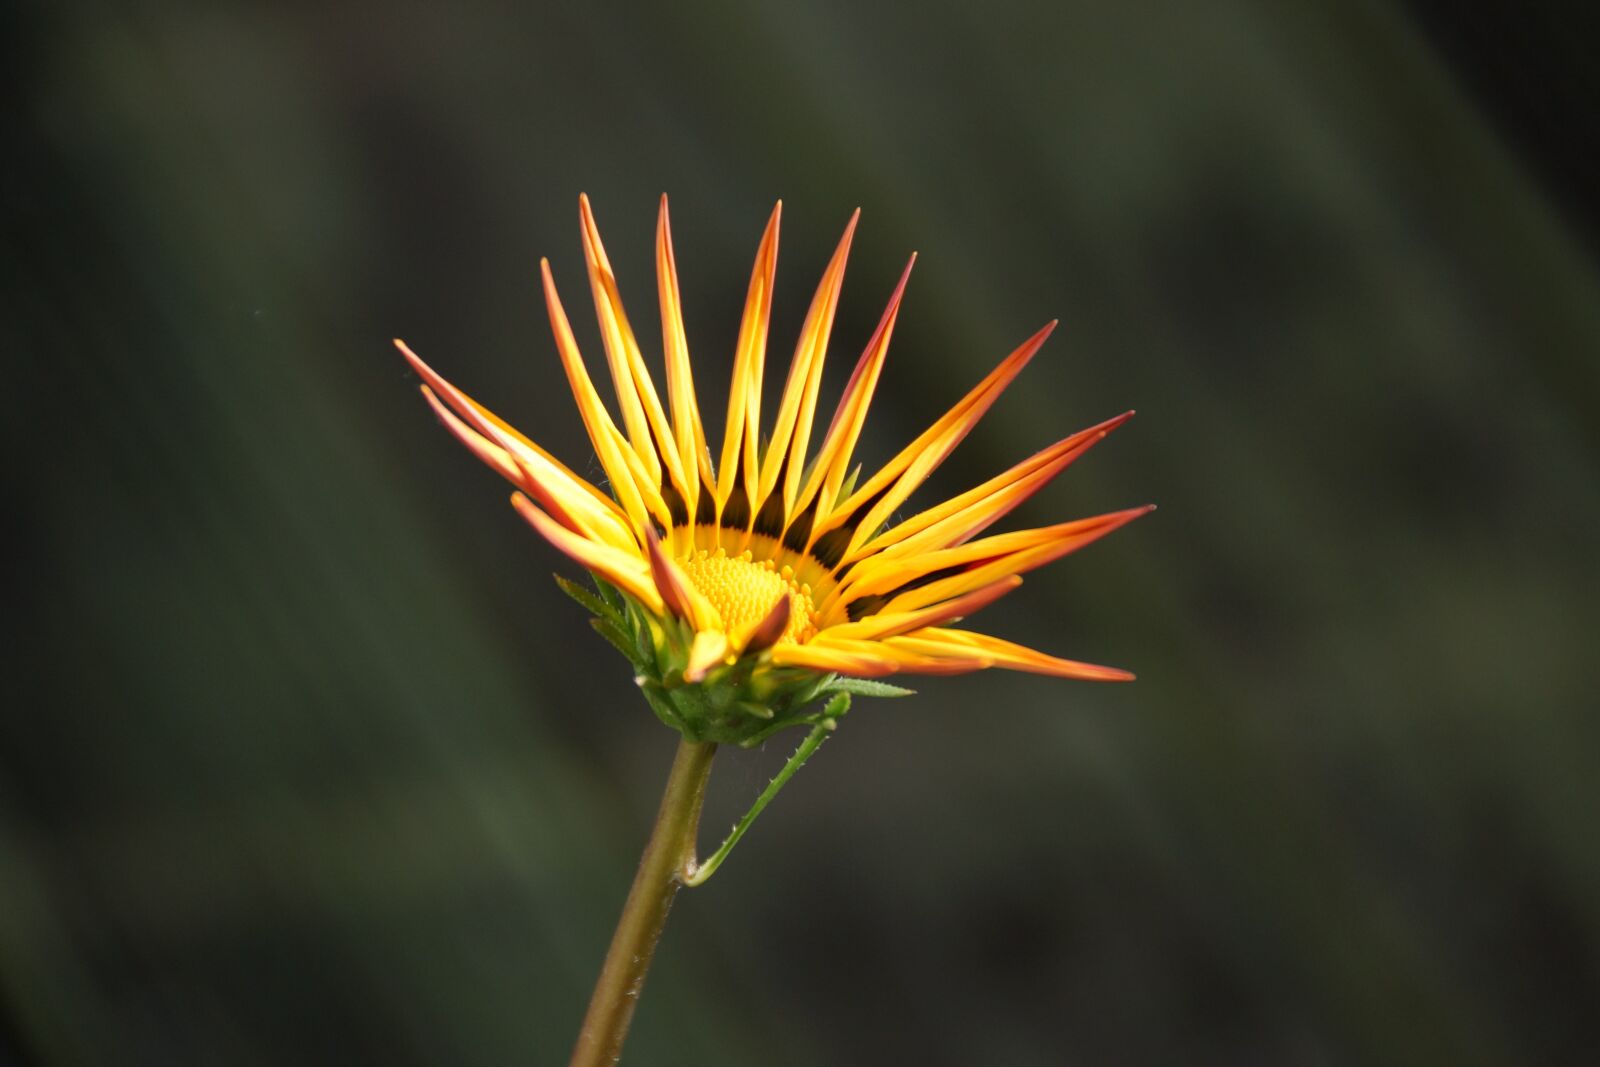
(775,555)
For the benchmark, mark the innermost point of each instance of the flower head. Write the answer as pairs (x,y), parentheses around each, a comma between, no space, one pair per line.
(747,584)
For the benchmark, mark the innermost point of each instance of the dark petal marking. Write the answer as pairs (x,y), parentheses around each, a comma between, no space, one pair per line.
(736,512)
(676,507)
(829,549)
(705,511)
(769,520)
(799,532)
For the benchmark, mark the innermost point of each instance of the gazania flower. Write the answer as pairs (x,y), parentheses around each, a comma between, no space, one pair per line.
(746,583)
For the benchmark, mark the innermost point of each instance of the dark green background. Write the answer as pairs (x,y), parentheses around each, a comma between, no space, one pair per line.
(305,760)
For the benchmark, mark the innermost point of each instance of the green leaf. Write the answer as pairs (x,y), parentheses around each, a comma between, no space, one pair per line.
(866,687)
(609,592)
(594,604)
(611,632)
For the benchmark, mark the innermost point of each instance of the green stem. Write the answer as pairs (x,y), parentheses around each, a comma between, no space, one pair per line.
(697,874)
(668,858)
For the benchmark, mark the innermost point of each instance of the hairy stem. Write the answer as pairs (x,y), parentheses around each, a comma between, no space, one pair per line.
(697,873)
(668,858)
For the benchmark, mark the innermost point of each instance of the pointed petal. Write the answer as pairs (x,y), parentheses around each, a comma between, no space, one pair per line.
(503,462)
(886,490)
(874,659)
(862,661)
(941,642)
(881,575)
(625,571)
(497,429)
(647,424)
(791,434)
(609,444)
(595,514)
(889,624)
(686,424)
(490,453)
(965,516)
(611,327)
(833,458)
(744,393)
(1057,541)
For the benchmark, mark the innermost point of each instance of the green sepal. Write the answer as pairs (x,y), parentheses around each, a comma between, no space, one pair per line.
(594,604)
(740,703)
(867,687)
(619,640)
(610,593)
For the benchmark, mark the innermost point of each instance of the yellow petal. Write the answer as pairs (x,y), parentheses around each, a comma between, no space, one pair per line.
(487,451)
(630,484)
(499,430)
(888,624)
(833,458)
(872,659)
(879,575)
(625,571)
(709,648)
(965,516)
(507,466)
(1061,539)
(886,490)
(686,424)
(647,424)
(941,642)
(791,434)
(550,482)
(744,392)
(855,662)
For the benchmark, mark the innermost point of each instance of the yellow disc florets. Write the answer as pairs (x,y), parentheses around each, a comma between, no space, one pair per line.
(744,589)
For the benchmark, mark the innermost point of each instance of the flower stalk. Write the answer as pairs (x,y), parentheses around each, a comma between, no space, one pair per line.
(668,859)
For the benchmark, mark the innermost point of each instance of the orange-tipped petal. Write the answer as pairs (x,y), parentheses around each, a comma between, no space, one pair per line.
(509,468)
(686,424)
(791,434)
(744,392)
(1060,540)
(833,458)
(612,325)
(864,661)
(965,516)
(880,575)
(625,571)
(890,624)
(942,642)
(633,487)
(874,659)
(490,453)
(585,508)
(647,423)
(498,430)
(890,486)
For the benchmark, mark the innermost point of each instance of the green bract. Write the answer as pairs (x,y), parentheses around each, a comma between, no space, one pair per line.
(742,703)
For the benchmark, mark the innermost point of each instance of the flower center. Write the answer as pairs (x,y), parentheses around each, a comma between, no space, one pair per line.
(744,589)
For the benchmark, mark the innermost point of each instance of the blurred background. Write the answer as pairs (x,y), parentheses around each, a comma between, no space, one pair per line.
(305,759)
